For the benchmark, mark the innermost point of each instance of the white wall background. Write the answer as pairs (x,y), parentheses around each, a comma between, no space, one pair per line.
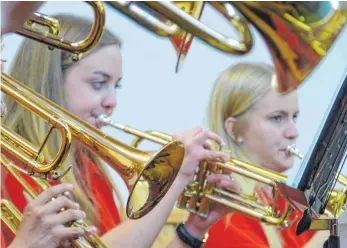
(154,97)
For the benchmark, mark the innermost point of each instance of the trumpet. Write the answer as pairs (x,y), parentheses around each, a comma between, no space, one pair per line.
(52,39)
(12,217)
(157,170)
(197,195)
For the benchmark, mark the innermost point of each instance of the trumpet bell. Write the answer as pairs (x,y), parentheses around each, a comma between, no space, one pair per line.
(155,179)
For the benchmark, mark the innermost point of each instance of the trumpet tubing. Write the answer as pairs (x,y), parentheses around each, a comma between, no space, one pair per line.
(52,39)
(26,154)
(136,10)
(10,215)
(43,20)
(197,197)
(28,149)
(337,200)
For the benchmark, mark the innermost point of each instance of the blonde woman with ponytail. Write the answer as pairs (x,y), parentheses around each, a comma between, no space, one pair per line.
(88,89)
(257,125)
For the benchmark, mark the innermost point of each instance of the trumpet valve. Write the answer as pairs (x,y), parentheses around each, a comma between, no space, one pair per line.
(192,189)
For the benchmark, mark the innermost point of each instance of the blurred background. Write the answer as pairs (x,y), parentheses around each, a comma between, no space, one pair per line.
(154,97)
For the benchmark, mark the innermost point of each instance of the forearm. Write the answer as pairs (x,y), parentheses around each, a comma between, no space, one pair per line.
(17,244)
(193,231)
(142,233)
(177,243)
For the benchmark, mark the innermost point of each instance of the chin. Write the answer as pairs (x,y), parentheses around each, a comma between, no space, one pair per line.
(284,166)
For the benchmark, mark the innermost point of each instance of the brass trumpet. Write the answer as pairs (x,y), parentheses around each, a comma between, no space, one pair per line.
(52,39)
(196,195)
(12,217)
(157,170)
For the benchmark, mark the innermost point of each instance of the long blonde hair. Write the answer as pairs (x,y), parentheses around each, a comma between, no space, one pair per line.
(44,71)
(235,92)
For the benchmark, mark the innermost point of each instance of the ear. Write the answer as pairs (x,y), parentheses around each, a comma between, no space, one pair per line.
(229,125)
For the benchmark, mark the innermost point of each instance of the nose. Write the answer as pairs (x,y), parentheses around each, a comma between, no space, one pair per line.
(291,131)
(109,102)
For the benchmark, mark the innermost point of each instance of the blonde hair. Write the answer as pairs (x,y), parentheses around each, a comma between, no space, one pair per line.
(235,92)
(44,71)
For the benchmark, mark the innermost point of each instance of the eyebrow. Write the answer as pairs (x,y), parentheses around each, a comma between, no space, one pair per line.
(282,112)
(104,74)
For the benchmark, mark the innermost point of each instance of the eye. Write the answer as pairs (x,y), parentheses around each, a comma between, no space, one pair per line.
(117,86)
(97,85)
(276,119)
(295,117)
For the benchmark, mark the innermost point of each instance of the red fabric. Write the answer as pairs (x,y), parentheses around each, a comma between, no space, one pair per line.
(244,232)
(102,194)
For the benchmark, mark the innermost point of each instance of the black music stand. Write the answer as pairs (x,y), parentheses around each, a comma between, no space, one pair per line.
(318,173)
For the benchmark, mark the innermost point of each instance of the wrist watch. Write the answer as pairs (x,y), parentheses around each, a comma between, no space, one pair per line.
(188,239)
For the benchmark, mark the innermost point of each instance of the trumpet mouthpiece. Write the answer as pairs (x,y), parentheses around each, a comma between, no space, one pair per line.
(103,119)
(292,150)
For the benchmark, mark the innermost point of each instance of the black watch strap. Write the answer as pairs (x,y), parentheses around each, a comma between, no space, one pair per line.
(187,238)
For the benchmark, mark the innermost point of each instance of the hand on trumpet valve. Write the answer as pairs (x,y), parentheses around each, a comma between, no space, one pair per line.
(45,225)
(198,148)
(197,225)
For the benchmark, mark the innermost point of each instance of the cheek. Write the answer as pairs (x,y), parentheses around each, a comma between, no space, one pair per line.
(262,136)
(81,102)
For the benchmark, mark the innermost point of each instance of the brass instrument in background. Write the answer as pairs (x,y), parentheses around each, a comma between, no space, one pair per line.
(52,38)
(12,217)
(157,170)
(197,196)
(337,200)
(298,34)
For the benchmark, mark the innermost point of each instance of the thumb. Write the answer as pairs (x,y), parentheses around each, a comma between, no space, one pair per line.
(27,197)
